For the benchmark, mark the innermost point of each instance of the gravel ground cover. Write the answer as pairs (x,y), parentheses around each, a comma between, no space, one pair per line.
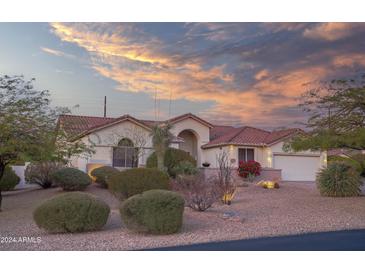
(256,212)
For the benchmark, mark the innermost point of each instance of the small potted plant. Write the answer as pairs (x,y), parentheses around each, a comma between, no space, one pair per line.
(205,164)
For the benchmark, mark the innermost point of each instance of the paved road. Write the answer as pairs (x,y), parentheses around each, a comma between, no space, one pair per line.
(325,241)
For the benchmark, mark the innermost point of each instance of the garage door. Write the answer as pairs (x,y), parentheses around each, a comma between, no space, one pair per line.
(297,168)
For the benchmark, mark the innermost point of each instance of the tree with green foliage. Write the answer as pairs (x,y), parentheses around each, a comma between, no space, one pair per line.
(28,125)
(9,180)
(161,138)
(337,116)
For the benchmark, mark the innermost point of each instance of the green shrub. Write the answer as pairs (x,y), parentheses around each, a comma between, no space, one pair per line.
(71,179)
(41,173)
(360,159)
(339,179)
(172,158)
(185,168)
(102,174)
(71,212)
(9,179)
(355,164)
(154,211)
(137,180)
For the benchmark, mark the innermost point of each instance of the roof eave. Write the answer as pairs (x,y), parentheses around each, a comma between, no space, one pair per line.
(127,118)
(233,144)
(284,138)
(192,116)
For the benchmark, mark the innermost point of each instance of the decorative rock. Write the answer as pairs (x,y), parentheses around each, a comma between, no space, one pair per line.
(232,216)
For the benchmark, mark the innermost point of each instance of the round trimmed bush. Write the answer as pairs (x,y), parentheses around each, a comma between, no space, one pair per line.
(173,157)
(72,212)
(153,211)
(137,180)
(71,179)
(339,179)
(9,179)
(102,174)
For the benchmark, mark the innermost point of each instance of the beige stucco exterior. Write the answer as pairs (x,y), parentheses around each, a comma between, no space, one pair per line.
(201,132)
(301,166)
(196,134)
(105,139)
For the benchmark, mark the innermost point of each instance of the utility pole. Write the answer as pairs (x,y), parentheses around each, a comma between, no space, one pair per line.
(104,106)
(170,104)
(155,104)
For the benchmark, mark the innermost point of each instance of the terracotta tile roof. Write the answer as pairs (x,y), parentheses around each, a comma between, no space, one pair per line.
(111,122)
(248,136)
(149,123)
(76,124)
(278,135)
(217,131)
(241,135)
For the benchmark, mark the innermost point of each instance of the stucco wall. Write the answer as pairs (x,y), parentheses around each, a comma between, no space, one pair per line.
(263,155)
(20,171)
(201,133)
(209,155)
(278,149)
(266,174)
(110,136)
(105,138)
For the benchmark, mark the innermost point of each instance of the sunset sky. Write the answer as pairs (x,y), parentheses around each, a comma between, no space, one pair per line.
(227,73)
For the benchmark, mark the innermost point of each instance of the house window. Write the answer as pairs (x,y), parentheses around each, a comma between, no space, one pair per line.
(125,154)
(246,154)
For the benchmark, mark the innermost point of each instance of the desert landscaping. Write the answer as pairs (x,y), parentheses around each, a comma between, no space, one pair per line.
(294,208)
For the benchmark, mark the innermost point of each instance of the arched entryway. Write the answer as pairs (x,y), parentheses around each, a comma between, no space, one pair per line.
(125,154)
(190,143)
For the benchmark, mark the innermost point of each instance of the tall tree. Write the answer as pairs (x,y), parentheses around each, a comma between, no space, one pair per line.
(28,125)
(337,116)
(161,138)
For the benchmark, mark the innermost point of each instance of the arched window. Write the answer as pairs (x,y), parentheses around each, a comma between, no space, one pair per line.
(125,142)
(125,155)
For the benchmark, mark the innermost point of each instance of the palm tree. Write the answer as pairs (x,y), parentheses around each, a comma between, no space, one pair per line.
(161,138)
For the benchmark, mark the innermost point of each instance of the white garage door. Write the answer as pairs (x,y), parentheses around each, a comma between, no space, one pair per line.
(297,168)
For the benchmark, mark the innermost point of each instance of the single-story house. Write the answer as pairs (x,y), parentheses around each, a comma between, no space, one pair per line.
(116,139)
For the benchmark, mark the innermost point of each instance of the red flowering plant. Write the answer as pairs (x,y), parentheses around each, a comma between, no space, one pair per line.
(249,169)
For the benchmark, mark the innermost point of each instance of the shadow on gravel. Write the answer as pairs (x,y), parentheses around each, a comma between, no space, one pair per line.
(346,240)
